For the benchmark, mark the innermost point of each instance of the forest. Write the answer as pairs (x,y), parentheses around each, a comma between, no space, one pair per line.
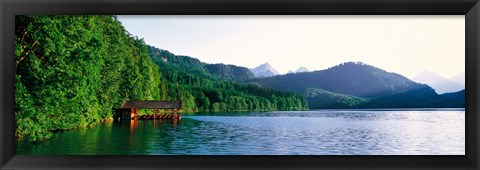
(71,71)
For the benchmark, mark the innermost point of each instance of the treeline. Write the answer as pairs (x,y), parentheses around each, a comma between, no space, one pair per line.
(417,98)
(197,67)
(204,91)
(70,72)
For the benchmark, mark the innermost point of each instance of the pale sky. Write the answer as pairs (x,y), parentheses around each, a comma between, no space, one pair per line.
(401,44)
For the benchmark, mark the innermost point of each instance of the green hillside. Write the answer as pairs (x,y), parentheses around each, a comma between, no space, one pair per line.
(318,98)
(71,71)
(197,67)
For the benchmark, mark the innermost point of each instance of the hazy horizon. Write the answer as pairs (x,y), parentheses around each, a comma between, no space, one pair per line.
(406,45)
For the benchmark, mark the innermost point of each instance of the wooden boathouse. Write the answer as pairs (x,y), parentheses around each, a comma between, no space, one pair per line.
(129,108)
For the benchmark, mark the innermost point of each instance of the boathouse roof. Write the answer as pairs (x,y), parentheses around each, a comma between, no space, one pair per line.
(151,104)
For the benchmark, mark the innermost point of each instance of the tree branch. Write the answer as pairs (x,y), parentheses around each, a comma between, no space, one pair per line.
(26,53)
(23,37)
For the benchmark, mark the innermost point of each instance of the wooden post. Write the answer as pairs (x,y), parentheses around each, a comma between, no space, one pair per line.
(174,113)
(132,113)
(156,112)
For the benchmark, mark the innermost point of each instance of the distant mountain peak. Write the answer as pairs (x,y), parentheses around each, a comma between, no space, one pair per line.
(264,70)
(302,69)
(459,78)
(438,82)
(265,65)
(428,72)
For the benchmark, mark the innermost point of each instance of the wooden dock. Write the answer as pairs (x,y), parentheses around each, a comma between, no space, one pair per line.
(129,109)
(159,116)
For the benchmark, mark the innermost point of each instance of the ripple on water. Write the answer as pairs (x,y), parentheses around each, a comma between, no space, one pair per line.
(323,132)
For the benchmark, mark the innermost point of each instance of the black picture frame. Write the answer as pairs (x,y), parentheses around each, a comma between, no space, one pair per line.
(469,8)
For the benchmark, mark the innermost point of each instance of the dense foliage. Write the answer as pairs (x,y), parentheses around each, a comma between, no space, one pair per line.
(70,72)
(319,98)
(195,66)
(229,72)
(205,91)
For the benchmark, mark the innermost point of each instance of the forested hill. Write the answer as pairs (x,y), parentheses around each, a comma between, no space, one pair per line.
(357,85)
(458,96)
(351,78)
(70,71)
(202,90)
(195,66)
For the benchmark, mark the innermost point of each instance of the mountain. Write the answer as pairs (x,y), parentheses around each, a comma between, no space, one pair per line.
(352,78)
(364,86)
(457,96)
(197,67)
(299,70)
(438,82)
(460,79)
(302,69)
(264,70)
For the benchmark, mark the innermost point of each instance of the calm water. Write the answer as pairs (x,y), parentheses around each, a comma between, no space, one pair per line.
(323,132)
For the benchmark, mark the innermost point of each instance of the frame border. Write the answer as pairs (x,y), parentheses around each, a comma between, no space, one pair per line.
(469,8)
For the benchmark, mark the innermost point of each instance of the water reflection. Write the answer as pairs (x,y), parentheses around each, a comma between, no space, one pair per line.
(378,132)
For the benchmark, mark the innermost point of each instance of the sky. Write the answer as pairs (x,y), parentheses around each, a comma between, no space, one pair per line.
(402,44)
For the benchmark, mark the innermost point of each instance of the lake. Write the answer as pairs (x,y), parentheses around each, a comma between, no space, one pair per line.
(317,132)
